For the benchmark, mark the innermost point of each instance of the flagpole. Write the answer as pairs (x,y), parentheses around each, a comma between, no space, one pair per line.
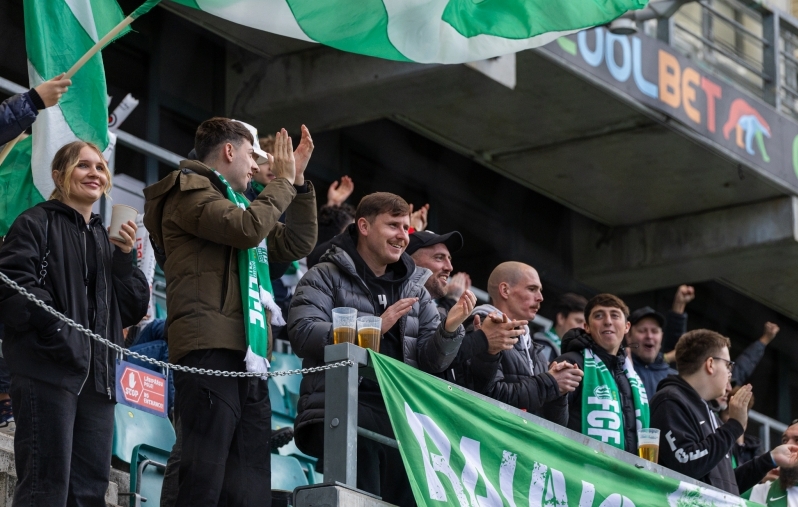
(10,146)
(98,46)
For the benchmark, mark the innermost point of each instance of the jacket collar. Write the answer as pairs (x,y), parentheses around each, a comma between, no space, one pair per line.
(71,213)
(658,364)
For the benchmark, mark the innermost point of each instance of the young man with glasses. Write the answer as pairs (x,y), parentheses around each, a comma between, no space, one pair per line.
(692,441)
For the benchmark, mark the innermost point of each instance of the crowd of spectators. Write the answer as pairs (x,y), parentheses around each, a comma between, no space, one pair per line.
(599,370)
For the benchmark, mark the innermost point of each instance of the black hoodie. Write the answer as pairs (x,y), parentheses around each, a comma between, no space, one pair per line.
(692,443)
(574,343)
(385,290)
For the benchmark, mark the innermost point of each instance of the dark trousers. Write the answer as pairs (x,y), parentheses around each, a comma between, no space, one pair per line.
(225,458)
(62,444)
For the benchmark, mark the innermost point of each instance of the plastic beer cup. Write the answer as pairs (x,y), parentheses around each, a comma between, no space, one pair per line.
(369,332)
(648,444)
(344,321)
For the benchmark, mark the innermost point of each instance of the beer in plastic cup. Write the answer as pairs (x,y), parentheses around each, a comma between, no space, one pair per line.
(344,322)
(121,214)
(369,332)
(648,444)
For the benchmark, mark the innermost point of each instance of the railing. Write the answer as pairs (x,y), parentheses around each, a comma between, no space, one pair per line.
(749,44)
(341,425)
(770,430)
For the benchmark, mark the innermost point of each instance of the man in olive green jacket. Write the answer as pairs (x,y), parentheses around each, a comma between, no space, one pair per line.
(225,422)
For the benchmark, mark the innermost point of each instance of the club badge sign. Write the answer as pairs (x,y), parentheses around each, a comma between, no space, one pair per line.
(141,388)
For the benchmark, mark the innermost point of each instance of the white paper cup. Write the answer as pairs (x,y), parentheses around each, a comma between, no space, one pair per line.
(121,214)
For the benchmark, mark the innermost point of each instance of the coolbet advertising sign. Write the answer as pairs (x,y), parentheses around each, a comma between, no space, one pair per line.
(653,73)
(462,451)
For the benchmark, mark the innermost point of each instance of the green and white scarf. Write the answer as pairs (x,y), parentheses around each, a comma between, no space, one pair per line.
(602,416)
(256,294)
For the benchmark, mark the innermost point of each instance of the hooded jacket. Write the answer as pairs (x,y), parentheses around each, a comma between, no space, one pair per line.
(45,251)
(200,230)
(691,443)
(520,377)
(574,343)
(652,373)
(337,281)
(17,113)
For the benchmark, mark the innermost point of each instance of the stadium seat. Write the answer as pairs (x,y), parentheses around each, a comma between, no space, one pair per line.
(289,385)
(144,441)
(287,473)
(308,463)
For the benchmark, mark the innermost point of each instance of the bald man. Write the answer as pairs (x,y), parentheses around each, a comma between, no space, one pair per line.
(520,376)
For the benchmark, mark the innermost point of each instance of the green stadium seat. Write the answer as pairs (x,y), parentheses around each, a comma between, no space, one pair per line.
(287,473)
(289,385)
(308,463)
(144,441)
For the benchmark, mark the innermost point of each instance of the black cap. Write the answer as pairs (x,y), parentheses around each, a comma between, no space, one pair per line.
(422,239)
(646,311)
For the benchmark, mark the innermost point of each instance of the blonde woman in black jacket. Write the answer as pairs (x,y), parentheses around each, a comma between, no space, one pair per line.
(62,382)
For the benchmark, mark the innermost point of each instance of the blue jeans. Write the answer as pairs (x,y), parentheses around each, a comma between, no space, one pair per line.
(151,343)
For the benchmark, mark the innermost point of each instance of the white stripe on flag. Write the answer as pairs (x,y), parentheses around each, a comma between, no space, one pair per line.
(50,132)
(81,9)
(273,16)
(416,28)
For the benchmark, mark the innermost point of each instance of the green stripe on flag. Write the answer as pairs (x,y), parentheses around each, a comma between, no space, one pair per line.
(17,191)
(522,19)
(357,28)
(188,3)
(55,40)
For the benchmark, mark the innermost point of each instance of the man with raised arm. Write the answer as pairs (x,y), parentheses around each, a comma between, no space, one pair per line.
(367,268)
(217,247)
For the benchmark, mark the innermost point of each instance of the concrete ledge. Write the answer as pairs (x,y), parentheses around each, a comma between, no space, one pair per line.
(326,495)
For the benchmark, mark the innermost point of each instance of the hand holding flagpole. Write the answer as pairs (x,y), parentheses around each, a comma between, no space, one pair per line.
(110,36)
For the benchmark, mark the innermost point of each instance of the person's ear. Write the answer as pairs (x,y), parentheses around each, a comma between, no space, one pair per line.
(628,327)
(228,152)
(504,290)
(709,366)
(363,226)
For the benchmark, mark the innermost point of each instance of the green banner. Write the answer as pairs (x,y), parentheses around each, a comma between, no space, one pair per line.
(460,450)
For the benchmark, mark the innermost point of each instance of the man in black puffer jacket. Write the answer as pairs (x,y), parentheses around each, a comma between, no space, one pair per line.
(606,322)
(18,112)
(520,375)
(367,268)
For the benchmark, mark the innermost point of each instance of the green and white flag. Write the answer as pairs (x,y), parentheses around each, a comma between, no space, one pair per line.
(460,450)
(57,34)
(423,31)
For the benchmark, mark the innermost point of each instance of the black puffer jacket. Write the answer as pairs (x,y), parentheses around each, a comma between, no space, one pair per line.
(334,283)
(574,343)
(17,113)
(690,445)
(512,381)
(40,346)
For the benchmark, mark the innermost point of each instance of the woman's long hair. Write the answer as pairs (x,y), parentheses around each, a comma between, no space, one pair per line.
(65,161)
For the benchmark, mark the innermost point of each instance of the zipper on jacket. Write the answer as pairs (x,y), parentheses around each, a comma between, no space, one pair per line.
(86,277)
(226,277)
(107,317)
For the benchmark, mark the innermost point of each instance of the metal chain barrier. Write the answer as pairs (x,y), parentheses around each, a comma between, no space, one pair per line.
(121,351)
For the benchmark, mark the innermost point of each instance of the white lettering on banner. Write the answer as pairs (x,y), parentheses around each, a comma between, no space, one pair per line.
(506,476)
(588,493)
(547,486)
(420,424)
(473,466)
(616,500)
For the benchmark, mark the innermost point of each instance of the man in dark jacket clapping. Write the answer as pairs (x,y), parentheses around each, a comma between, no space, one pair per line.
(367,268)
(520,375)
